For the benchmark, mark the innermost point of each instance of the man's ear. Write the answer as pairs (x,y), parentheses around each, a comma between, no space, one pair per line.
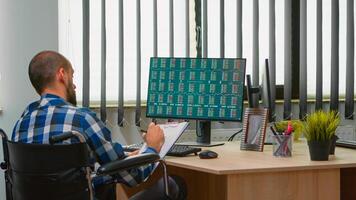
(61,73)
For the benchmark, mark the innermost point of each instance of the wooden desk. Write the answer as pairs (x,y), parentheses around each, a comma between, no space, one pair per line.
(249,175)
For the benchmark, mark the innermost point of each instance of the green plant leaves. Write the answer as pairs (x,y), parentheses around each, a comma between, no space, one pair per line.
(320,125)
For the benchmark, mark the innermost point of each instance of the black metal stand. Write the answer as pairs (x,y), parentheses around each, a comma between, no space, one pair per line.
(203,136)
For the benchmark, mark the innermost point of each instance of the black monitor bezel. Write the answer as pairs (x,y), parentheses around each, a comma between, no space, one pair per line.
(197,118)
(266,92)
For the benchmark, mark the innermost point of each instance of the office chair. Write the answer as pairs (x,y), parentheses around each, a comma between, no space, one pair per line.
(61,171)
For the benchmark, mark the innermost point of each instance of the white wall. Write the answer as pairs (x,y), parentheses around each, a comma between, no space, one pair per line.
(27,27)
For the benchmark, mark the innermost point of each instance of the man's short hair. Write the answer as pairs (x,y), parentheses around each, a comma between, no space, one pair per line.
(43,68)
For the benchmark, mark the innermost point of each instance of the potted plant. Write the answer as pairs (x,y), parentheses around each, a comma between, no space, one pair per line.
(319,130)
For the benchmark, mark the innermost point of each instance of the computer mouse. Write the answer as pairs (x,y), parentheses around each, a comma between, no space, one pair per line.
(207,154)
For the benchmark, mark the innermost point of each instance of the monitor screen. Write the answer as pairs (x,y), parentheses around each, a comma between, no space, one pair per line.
(196,88)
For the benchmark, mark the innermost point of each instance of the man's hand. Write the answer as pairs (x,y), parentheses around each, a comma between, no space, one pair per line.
(154,137)
(134,153)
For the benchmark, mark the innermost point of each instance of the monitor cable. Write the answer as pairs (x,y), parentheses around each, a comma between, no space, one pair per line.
(231,138)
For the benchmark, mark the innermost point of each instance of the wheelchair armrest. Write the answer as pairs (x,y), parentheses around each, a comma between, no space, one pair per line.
(4,138)
(127,163)
(59,138)
(3,134)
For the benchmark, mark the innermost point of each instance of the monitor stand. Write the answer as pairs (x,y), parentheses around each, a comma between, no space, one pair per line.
(203,136)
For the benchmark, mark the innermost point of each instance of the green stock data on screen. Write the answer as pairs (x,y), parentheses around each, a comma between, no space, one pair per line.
(196,88)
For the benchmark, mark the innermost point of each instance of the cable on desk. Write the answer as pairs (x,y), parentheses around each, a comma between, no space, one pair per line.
(231,138)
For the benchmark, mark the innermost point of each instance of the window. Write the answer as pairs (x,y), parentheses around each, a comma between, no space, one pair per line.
(70,42)
(326,43)
(247,30)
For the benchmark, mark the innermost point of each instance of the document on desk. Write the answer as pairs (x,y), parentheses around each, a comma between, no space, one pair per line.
(172,131)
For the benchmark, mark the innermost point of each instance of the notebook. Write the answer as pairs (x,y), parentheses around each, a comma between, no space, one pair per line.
(172,132)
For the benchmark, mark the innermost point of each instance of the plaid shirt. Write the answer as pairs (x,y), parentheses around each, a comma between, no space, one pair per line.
(52,115)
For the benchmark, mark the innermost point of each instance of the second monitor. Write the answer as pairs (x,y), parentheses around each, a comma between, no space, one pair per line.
(203,89)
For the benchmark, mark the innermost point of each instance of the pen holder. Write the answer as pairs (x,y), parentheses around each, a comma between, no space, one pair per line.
(282,145)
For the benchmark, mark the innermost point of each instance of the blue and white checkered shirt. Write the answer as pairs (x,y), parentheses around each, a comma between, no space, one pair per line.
(52,115)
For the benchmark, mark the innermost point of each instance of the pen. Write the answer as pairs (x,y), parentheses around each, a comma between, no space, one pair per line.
(275,126)
(274,133)
(153,121)
(289,128)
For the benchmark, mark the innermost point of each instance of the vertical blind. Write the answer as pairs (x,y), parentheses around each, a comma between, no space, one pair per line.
(287,59)
(133,31)
(120,111)
(319,55)
(303,60)
(138,56)
(350,60)
(103,63)
(272,52)
(86,53)
(330,52)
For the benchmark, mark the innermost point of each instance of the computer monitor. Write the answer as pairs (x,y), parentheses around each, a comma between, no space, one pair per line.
(202,89)
(266,93)
(263,91)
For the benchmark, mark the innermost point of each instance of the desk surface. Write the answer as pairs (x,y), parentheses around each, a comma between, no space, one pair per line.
(232,160)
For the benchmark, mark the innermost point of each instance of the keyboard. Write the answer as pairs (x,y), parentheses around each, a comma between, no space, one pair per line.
(176,150)
(346,143)
(183,150)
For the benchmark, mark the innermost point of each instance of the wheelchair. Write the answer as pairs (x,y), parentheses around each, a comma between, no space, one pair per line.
(60,171)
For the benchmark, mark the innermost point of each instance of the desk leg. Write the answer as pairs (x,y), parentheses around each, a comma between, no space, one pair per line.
(292,185)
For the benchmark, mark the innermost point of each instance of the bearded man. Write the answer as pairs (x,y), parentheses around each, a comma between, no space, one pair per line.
(51,74)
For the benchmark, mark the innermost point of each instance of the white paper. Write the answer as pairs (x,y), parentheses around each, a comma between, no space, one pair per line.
(171,132)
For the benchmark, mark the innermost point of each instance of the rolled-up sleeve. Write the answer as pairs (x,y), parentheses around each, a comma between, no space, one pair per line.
(99,140)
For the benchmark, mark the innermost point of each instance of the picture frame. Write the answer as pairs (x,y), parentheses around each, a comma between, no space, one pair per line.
(254,129)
